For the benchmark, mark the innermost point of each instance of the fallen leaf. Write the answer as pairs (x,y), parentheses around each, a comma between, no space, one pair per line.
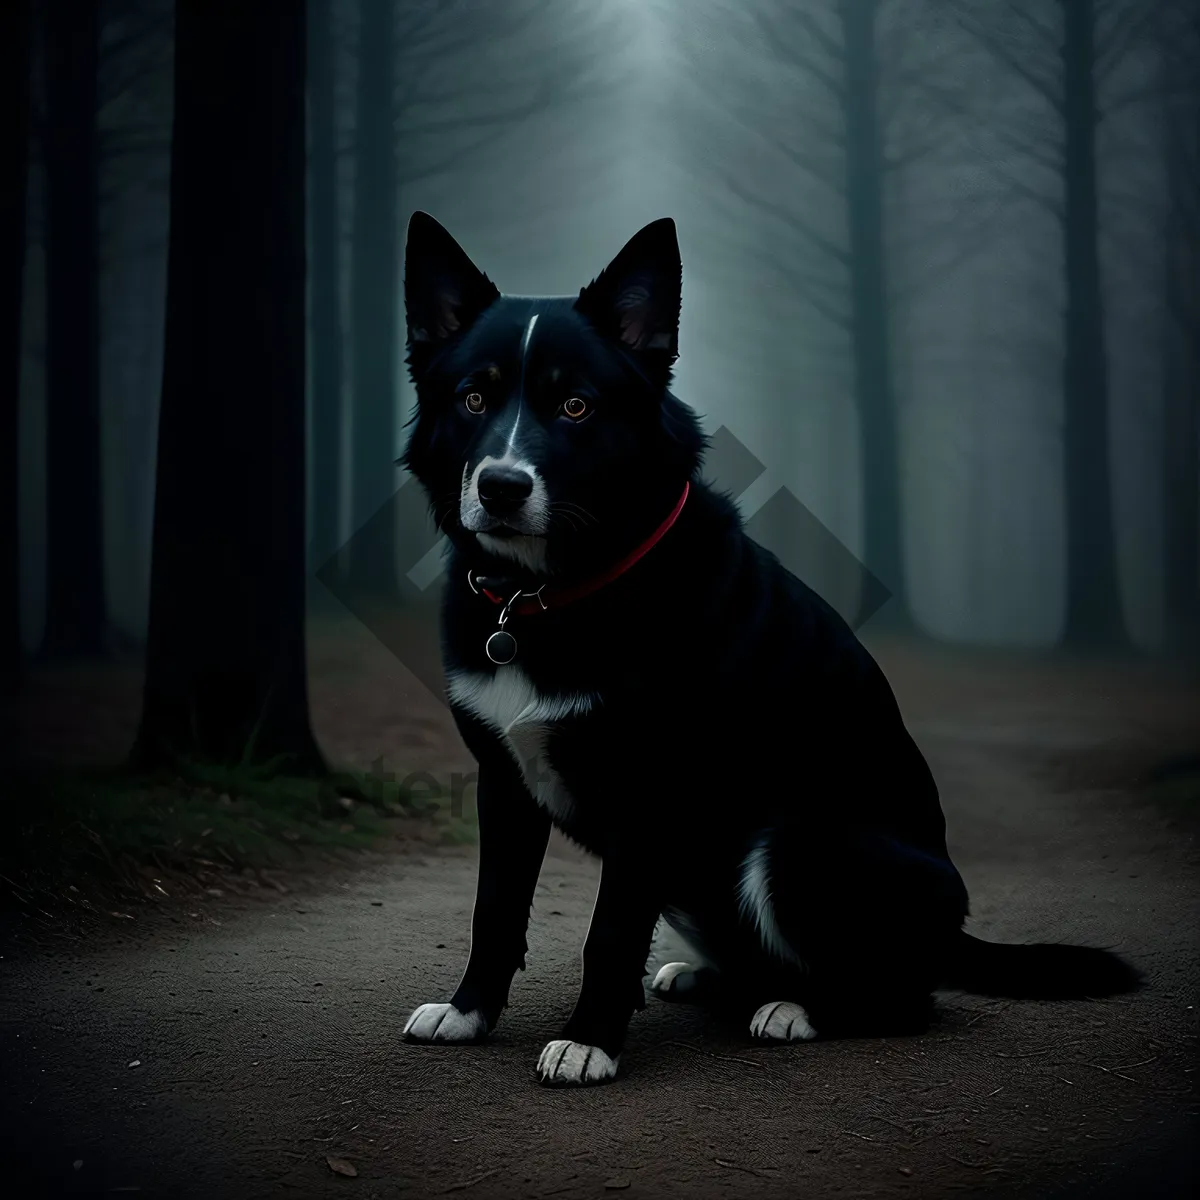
(339,1166)
(137,1062)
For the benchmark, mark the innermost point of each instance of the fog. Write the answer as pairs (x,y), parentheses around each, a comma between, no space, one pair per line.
(544,135)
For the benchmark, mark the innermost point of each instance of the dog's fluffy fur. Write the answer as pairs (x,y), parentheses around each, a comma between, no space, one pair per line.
(704,722)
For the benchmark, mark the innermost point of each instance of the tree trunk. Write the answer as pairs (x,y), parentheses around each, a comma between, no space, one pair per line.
(978,500)
(225,663)
(15,32)
(75,602)
(1181,487)
(879,449)
(1093,616)
(326,350)
(1181,342)
(1181,381)
(374,294)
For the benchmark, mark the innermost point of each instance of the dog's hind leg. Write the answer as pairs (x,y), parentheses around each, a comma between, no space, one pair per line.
(686,983)
(862,920)
(699,980)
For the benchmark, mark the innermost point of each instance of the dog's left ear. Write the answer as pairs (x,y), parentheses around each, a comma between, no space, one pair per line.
(635,299)
(444,291)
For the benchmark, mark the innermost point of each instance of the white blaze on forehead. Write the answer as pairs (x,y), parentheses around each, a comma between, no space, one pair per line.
(529,546)
(528,337)
(511,447)
(525,340)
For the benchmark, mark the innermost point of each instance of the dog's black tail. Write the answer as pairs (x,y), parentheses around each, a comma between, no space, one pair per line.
(1040,971)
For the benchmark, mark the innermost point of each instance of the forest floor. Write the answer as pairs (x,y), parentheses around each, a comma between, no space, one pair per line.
(237,1045)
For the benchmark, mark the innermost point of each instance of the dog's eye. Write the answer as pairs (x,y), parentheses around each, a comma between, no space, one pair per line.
(474,402)
(575,408)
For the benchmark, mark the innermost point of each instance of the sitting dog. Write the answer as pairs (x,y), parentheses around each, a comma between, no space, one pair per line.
(625,663)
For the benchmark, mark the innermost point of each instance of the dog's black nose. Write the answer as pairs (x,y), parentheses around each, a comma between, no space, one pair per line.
(503,489)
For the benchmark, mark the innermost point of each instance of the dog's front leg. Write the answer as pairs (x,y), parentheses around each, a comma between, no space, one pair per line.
(614,962)
(513,832)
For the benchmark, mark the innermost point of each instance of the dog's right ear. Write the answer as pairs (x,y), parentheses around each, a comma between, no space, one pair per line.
(635,299)
(444,291)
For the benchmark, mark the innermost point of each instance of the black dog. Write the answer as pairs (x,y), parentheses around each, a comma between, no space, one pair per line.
(626,664)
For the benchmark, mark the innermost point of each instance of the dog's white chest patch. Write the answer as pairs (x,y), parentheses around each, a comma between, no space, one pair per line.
(524,717)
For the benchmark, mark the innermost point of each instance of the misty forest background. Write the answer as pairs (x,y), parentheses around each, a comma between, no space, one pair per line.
(941,277)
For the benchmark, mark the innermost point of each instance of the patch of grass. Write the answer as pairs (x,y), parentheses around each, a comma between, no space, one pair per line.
(241,816)
(455,820)
(459,831)
(80,844)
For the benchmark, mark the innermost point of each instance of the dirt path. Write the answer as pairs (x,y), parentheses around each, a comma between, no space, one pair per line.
(270,1041)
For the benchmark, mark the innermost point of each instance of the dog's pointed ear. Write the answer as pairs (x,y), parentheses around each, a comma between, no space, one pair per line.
(444,291)
(635,299)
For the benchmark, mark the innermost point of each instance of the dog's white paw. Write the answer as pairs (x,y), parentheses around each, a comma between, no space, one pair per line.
(782,1021)
(444,1023)
(563,1062)
(674,979)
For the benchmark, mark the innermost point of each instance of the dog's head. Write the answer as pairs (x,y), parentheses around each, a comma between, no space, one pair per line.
(545,433)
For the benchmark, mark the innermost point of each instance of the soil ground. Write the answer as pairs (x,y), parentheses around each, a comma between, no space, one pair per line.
(234,1047)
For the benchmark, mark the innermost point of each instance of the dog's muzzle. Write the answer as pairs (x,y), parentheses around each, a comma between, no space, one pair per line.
(504,490)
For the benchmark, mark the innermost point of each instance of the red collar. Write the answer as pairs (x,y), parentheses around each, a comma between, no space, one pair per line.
(550,595)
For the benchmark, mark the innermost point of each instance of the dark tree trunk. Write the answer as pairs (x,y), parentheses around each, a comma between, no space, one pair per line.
(879,449)
(14,133)
(326,351)
(75,605)
(374,284)
(1181,374)
(1093,616)
(225,658)
(1181,486)
(978,500)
